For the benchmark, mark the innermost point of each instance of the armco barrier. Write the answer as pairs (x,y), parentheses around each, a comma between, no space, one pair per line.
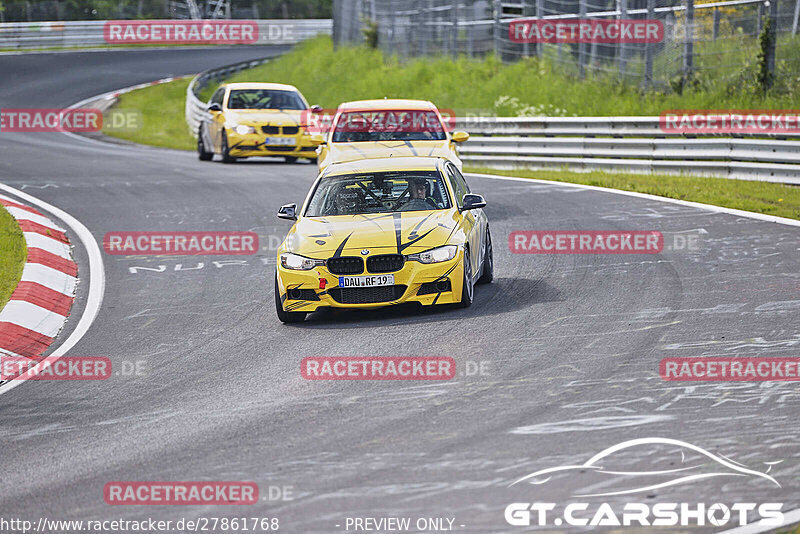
(630,144)
(82,33)
(746,159)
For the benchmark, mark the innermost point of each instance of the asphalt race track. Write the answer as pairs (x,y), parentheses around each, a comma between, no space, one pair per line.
(572,344)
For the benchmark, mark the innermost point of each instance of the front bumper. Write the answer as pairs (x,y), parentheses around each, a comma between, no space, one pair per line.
(243,145)
(410,281)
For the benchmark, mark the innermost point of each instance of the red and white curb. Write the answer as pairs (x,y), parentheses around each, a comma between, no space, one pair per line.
(94,273)
(40,305)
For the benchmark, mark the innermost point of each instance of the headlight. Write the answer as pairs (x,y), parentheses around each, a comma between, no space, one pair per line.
(243,129)
(298,263)
(436,255)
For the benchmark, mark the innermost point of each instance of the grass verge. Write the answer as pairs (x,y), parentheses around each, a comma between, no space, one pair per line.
(760,197)
(13,254)
(328,78)
(162,113)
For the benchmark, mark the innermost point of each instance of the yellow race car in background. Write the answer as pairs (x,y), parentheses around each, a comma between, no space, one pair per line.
(381,232)
(256,119)
(390,127)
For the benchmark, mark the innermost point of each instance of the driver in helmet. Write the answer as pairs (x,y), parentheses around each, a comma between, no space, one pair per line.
(418,187)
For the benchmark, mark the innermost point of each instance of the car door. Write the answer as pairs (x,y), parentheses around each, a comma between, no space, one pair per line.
(217,122)
(473,221)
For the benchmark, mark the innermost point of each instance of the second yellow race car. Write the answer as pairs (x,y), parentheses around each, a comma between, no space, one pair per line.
(381,232)
(256,119)
(389,127)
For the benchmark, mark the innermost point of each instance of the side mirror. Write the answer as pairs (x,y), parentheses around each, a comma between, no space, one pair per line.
(315,109)
(214,107)
(460,137)
(472,202)
(289,211)
(317,139)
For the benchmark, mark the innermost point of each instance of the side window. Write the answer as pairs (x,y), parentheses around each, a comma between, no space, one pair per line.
(218,96)
(458,183)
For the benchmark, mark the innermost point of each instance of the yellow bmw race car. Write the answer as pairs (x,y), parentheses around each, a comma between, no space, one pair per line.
(390,127)
(380,232)
(256,119)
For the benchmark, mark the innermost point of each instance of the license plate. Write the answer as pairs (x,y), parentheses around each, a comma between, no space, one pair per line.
(281,141)
(367,281)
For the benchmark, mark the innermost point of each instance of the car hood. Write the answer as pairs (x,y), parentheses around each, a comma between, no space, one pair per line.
(344,152)
(264,116)
(390,233)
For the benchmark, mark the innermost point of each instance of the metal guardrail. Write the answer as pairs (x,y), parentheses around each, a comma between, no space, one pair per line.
(630,144)
(745,159)
(81,33)
(584,126)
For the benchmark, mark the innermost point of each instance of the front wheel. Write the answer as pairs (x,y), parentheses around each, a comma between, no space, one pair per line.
(202,153)
(226,151)
(284,316)
(290,159)
(488,261)
(467,290)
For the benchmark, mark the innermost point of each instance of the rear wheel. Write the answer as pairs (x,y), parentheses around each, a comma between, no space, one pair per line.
(202,153)
(226,152)
(284,316)
(290,159)
(467,290)
(488,261)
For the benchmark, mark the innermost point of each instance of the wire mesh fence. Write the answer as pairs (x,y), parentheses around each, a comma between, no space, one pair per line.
(715,38)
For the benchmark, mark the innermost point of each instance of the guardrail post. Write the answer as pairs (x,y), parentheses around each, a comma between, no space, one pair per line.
(796,17)
(423,25)
(649,47)
(760,25)
(716,24)
(526,47)
(773,31)
(688,47)
(392,25)
(581,45)
(539,15)
(623,60)
(498,11)
(454,27)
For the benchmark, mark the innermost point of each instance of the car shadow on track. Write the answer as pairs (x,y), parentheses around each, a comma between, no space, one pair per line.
(503,295)
(266,161)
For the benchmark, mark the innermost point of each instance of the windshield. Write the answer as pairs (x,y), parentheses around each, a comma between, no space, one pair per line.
(388,125)
(264,99)
(382,192)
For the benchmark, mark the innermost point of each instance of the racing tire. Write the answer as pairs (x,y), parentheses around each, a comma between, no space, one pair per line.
(284,316)
(290,159)
(488,261)
(226,156)
(202,155)
(467,289)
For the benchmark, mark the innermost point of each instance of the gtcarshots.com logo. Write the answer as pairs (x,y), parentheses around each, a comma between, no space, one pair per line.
(619,472)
